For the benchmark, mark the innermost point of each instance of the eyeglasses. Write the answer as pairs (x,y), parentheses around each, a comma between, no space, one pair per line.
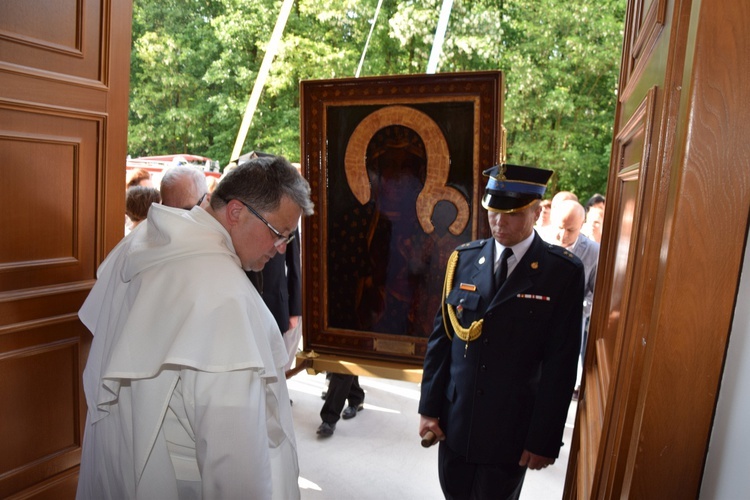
(282,240)
(196,205)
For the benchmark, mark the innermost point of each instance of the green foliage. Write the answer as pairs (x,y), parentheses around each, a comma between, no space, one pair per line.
(194,64)
(173,42)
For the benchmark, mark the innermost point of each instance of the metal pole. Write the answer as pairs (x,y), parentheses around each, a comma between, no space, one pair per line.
(367,43)
(437,44)
(260,81)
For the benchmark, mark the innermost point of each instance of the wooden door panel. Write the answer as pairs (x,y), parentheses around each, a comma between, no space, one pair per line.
(666,284)
(64,68)
(56,301)
(31,429)
(647,23)
(632,147)
(701,257)
(68,47)
(609,348)
(46,90)
(54,197)
(41,367)
(22,19)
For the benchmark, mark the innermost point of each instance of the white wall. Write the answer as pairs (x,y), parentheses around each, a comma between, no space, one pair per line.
(727,473)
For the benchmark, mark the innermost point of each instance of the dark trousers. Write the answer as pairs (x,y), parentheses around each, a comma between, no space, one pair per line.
(462,480)
(340,388)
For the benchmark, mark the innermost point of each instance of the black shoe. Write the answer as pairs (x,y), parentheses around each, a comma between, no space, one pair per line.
(351,411)
(326,429)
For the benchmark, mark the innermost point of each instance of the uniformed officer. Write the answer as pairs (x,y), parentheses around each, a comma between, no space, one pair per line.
(501,361)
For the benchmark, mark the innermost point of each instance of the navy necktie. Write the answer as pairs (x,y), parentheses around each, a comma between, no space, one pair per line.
(502,269)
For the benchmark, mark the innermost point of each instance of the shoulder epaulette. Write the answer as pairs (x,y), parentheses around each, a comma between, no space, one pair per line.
(562,252)
(470,245)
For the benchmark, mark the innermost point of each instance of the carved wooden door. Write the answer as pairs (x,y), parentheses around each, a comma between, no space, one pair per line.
(64,71)
(669,264)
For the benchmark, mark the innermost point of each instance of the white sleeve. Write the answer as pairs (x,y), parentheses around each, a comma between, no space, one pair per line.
(227,412)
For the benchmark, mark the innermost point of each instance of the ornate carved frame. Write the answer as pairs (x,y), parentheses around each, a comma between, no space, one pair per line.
(451,125)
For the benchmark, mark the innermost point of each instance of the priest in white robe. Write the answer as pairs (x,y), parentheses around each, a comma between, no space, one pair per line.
(185,379)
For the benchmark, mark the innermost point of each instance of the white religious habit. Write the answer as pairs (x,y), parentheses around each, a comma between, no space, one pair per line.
(184,383)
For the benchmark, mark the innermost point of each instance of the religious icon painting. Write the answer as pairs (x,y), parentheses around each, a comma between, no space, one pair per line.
(395,165)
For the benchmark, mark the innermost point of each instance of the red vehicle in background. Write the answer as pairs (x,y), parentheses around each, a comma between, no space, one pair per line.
(157,165)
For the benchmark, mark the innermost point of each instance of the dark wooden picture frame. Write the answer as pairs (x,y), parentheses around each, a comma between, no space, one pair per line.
(395,165)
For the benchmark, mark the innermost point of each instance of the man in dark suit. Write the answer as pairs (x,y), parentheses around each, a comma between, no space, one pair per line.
(280,285)
(500,365)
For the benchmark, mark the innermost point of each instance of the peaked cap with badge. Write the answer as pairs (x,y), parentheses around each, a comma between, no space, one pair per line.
(511,188)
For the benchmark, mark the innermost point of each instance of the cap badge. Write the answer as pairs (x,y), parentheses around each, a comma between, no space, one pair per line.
(501,172)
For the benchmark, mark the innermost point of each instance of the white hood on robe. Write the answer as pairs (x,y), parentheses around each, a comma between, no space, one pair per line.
(182,299)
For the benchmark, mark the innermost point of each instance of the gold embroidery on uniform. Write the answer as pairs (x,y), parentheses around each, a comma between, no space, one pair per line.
(465,334)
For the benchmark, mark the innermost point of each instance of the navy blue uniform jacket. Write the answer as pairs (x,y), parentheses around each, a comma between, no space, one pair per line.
(511,389)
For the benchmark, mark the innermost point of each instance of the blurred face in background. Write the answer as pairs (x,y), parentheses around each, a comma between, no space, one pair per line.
(567,221)
(593,225)
(544,217)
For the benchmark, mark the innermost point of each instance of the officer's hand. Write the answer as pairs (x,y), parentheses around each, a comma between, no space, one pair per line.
(430,424)
(533,461)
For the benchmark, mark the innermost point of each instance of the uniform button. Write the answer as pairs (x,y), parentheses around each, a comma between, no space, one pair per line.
(486,341)
(483,368)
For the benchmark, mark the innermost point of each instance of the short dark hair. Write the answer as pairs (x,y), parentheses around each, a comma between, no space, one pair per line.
(138,200)
(596,198)
(262,182)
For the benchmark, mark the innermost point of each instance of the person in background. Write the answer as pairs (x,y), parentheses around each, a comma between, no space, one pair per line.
(184,187)
(597,200)
(211,183)
(568,222)
(592,226)
(544,217)
(500,366)
(342,387)
(548,232)
(184,383)
(138,177)
(138,200)
(280,285)
(562,196)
